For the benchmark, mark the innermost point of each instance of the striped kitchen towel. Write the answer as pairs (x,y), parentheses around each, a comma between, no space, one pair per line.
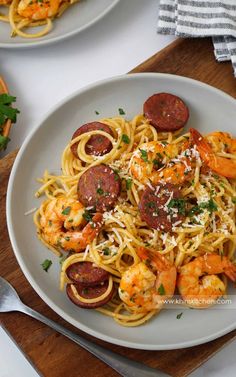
(198,18)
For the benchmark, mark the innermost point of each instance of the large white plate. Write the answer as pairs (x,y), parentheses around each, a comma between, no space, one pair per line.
(210,109)
(74,20)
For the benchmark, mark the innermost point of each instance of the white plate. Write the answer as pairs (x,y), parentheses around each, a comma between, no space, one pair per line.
(75,19)
(210,109)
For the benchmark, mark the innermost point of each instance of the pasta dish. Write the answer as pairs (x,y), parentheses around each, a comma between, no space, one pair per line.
(141,211)
(22,14)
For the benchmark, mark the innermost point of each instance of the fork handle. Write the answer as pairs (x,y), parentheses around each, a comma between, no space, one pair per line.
(123,365)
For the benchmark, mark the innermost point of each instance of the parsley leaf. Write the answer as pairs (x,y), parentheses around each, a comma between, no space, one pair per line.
(66,211)
(125,138)
(210,205)
(100,191)
(106,251)
(179,204)
(46,264)
(87,215)
(128,183)
(144,155)
(179,315)
(6,111)
(121,111)
(3,142)
(161,290)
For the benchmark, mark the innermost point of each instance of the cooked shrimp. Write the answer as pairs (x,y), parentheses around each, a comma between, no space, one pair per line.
(222,142)
(151,156)
(154,161)
(198,282)
(145,286)
(5,2)
(38,9)
(63,224)
(221,165)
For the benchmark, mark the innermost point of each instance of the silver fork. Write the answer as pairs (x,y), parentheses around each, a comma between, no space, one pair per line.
(10,301)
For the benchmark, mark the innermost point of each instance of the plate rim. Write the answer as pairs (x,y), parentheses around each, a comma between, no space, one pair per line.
(34,43)
(19,258)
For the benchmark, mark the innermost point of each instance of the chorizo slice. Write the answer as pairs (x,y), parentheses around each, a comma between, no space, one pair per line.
(86,274)
(99,187)
(89,293)
(97,145)
(166,112)
(161,207)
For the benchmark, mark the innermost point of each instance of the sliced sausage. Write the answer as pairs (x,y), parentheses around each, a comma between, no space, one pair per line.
(99,187)
(162,206)
(97,145)
(89,293)
(166,112)
(86,274)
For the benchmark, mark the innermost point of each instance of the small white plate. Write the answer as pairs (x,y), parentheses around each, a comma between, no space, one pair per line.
(210,109)
(77,18)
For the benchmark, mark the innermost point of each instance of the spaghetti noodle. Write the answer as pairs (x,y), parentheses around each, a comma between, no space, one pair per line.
(24,14)
(202,219)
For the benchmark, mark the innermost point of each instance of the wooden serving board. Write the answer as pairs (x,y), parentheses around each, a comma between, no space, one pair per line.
(55,355)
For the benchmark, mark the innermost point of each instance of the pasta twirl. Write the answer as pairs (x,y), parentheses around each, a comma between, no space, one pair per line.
(202,216)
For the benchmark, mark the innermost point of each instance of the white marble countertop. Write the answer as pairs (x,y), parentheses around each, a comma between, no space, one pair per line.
(41,77)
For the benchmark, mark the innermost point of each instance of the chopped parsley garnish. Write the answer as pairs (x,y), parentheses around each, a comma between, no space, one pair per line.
(87,215)
(125,138)
(210,206)
(157,162)
(144,155)
(96,112)
(159,155)
(121,111)
(128,183)
(180,204)
(151,204)
(186,172)
(179,315)
(161,290)
(67,238)
(196,210)
(66,211)
(100,191)
(106,251)
(46,264)
(234,200)
(116,171)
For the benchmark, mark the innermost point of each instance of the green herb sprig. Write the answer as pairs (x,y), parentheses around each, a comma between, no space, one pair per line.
(6,112)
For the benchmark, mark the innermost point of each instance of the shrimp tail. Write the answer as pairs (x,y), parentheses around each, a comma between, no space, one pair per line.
(153,258)
(91,230)
(203,147)
(221,165)
(230,272)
